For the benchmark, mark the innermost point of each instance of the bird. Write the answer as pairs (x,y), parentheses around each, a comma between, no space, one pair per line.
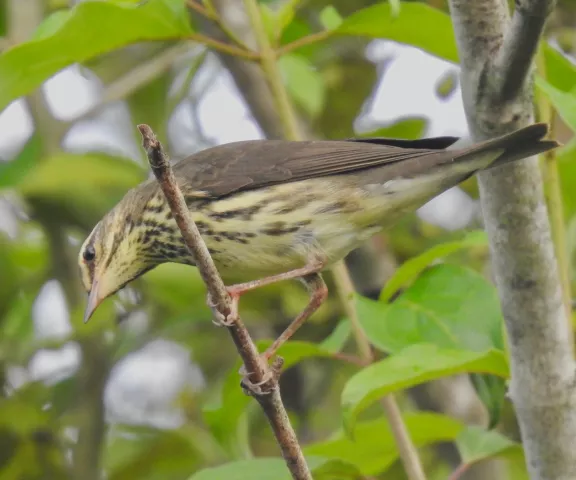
(273,210)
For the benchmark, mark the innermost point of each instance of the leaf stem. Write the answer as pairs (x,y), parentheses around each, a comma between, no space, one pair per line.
(223,47)
(212,14)
(304,41)
(269,63)
(407,450)
(460,470)
(553,194)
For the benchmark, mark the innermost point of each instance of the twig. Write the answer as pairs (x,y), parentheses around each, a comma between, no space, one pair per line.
(249,80)
(213,15)
(407,450)
(201,9)
(542,386)
(460,470)
(223,47)
(258,370)
(139,76)
(269,62)
(303,42)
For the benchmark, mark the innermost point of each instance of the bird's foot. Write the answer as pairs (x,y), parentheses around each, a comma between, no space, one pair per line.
(220,319)
(269,381)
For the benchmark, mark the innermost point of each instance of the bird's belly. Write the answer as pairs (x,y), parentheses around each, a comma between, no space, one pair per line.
(270,255)
(270,231)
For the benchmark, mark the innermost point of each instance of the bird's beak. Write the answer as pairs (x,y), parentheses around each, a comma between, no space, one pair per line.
(94,299)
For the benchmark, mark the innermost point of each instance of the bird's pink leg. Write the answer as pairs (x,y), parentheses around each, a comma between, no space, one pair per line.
(239,289)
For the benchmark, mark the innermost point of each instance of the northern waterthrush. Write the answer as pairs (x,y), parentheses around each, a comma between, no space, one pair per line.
(271,210)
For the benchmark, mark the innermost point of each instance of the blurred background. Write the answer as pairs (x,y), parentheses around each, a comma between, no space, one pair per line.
(138,392)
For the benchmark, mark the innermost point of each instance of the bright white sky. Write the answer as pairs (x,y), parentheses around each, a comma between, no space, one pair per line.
(142,387)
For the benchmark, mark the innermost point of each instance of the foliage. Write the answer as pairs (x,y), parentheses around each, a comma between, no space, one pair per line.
(437,316)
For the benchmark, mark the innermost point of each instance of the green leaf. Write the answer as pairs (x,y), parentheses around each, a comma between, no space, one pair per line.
(463,300)
(17,324)
(448,305)
(492,392)
(13,171)
(407,128)
(412,366)
(419,25)
(9,288)
(149,454)
(77,36)
(28,443)
(560,71)
(269,20)
(410,269)
(51,24)
(566,159)
(395,6)
(337,339)
(274,469)
(330,18)
(475,444)
(564,102)
(81,186)
(304,83)
(447,84)
(285,15)
(391,328)
(374,449)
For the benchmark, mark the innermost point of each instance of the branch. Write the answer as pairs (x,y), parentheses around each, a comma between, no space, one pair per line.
(514,59)
(406,449)
(269,63)
(136,78)
(223,47)
(524,265)
(247,76)
(259,372)
(213,15)
(304,42)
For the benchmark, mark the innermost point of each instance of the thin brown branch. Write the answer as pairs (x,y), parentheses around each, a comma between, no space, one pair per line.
(214,16)
(224,47)
(353,359)
(201,9)
(249,81)
(303,42)
(258,371)
(460,470)
(268,61)
(141,75)
(406,449)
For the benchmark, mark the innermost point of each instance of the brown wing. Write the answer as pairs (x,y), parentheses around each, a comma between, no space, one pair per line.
(248,165)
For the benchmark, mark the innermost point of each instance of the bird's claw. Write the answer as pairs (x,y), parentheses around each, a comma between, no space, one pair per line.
(268,382)
(219,319)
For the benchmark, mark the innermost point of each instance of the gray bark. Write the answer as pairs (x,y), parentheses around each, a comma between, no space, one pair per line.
(496,54)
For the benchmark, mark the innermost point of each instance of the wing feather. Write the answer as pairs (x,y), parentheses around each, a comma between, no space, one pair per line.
(249,165)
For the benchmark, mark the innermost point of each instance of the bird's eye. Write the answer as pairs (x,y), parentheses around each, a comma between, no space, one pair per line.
(89,254)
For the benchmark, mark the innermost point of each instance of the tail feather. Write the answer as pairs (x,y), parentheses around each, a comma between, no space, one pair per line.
(519,144)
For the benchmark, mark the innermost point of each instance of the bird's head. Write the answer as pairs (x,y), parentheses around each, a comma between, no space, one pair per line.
(130,240)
